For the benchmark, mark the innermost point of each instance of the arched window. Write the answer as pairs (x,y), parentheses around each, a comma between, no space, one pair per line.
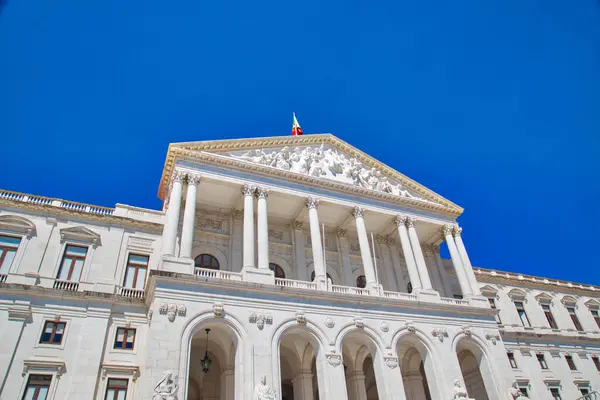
(206,261)
(361,282)
(278,270)
(312,277)
(409,287)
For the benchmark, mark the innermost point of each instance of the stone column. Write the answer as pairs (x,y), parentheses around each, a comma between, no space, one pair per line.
(365,251)
(466,262)
(357,390)
(432,267)
(420,260)
(228,384)
(389,275)
(237,240)
(248,192)
(303,386)
(172,217)
(440,265)
(344,253)
(409,257)
(388,378)
(317,246)
(263,229)
(299,251)
(458,267)
(189,218)
(401,282)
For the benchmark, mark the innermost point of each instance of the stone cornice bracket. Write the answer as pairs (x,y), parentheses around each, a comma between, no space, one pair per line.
(457,231)
(297,225)
(446,230)
(262,193)
(440,333)
(248,190)
(358,212)
(312,202)
(193,179)
(218,309)
(401,220)
(342,233)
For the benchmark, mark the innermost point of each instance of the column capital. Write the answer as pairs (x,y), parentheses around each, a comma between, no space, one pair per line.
(312,202)
(262,193)
(297,225)
(248,190)
(342,233)
(193,179)
(381,239)
(237,214)
(401,220)
(358,212)
(457,231)
(447,230)
(410,222)
(178,176)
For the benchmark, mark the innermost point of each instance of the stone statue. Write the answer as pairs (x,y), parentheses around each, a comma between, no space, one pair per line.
(515,392)
(166,388)
(263,392)
(459,392)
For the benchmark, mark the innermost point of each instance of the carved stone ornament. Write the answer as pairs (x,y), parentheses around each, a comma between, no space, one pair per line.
(359,323)
(311,202)
(447,230)
(210,223)
(237,214)
(166,388)
(457,231)
(358,212)
(440,333)
(193,179)
(334,359)
(515,392)
(301,318)
(172,310)
(466,330)
(329,322)
(218,309)
(262,391)
(410,326)
(178,176)
(329,164)
(262,193)
(410,222)
(275,234)
(492,337)
(260,319)
(459,392)
(401,220)
(248,190)
(384,327)
(391,362)
(342,233)
(297,225)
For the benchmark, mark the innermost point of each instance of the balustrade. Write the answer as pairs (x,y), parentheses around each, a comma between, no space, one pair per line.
(70,286)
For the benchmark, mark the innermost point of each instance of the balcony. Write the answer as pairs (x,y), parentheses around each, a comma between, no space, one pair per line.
(130,292)
(69,286)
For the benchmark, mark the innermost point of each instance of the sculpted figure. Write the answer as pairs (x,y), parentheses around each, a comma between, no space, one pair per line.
(318,164)
(262,391)
(257,156)
(515,392)
(166,388)
(298,162)
(280,160)
(459,392)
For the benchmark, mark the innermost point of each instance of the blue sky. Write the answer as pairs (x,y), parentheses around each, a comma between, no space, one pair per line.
(493,104)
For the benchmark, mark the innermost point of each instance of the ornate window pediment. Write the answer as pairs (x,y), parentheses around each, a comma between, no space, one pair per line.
(489,291)
(80,234)
(14,223)
(592,304)
(517,294)
(569,300)
(51,365)
(544,298)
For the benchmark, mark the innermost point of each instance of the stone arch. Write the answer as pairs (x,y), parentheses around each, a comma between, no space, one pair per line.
(242,353)
(206,248)
(285,266)
(371,333)
(484,359)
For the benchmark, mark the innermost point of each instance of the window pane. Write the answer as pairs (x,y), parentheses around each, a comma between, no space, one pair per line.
(76,275)
(136,259)
(8,259)
(29,393)
(130,335)
(141,278)
(60,328)
(121,395)
(10,241)
(64,269)
(76,251)
(43,394)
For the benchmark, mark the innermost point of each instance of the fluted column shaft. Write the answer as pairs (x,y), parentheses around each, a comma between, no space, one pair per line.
(409,257)
(365,251)
(419,259)
(356,387)
(440,265)
(263,229)
(464,257)
(189,218)
(172,218)
(463,281)
(315,238)
(228,384)
(248,256)
(303,386)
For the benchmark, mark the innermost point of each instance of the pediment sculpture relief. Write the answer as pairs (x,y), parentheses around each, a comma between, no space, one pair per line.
(327,163)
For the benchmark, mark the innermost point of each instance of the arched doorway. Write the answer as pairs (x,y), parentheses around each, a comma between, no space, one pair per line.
(206,261)
(358,351)
(417,369)
(215,379)
(476,370)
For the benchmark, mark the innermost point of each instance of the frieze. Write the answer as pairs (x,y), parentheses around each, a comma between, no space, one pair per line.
(275,234)
(210,223)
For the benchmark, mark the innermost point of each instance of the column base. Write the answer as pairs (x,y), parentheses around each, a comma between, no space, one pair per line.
(428,295)
(177,265)
(478,301)
(258,275)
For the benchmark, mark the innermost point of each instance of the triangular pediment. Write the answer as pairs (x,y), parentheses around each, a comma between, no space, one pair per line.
(315,159)
(80,234)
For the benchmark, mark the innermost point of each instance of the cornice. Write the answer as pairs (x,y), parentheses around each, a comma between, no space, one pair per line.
(211,159)
(193,149)
(100,218)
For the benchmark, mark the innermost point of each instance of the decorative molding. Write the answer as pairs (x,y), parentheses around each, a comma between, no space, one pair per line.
(447,230)
(80,234)
(334,359)
(410,326)
(193,179)
(237,214)
(215,224)
(359,323)
(358,212)
(36,364)
(276,234)
(248,190)
(401,220)
(172,310)
(493,337)
(329,322)
(260,319)
(300,318)
(466,330)
(390,361)
(384,327)
(218,309)
(440,333)
(262,193)
(15,223)
(312,202)
(120,369)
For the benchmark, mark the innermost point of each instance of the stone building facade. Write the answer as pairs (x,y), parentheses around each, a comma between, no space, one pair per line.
(279,268)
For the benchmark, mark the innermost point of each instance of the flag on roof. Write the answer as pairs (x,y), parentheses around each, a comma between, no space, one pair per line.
(296,130)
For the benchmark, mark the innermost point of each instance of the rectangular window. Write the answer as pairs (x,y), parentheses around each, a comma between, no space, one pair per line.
(116,389)
(596,361)
(125,338)
(596,317)
(53,332)
(542,361)
(8,250)
(570,362)
(574,318)
(524,391)
(37,387)
(584,390)
(72,263)
(522,313)
(135,275)
(555,393)
(549,316)
(493,306)
(458,296)
(511,359)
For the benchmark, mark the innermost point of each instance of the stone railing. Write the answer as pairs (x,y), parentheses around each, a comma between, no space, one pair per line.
(590,396)
(401,296)
(217,274)
(3,278)
(450,300)
(70,286)
(291,283)
(130,292)
(350,290)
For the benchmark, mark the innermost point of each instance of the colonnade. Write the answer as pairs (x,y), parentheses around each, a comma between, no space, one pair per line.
(419,274)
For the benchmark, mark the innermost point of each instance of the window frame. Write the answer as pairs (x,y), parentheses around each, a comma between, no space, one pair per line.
(549,316)
(50,341)
(557,389)
(137,270)
(542,361)
(4,249)
(571,362)
(36,391)
(596,361)
(574,318)
(596,317)
(108,387)
(124,343)
(522,308)
(492,303)
(277,267)
(211,267)
(74,259)
(512,360)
